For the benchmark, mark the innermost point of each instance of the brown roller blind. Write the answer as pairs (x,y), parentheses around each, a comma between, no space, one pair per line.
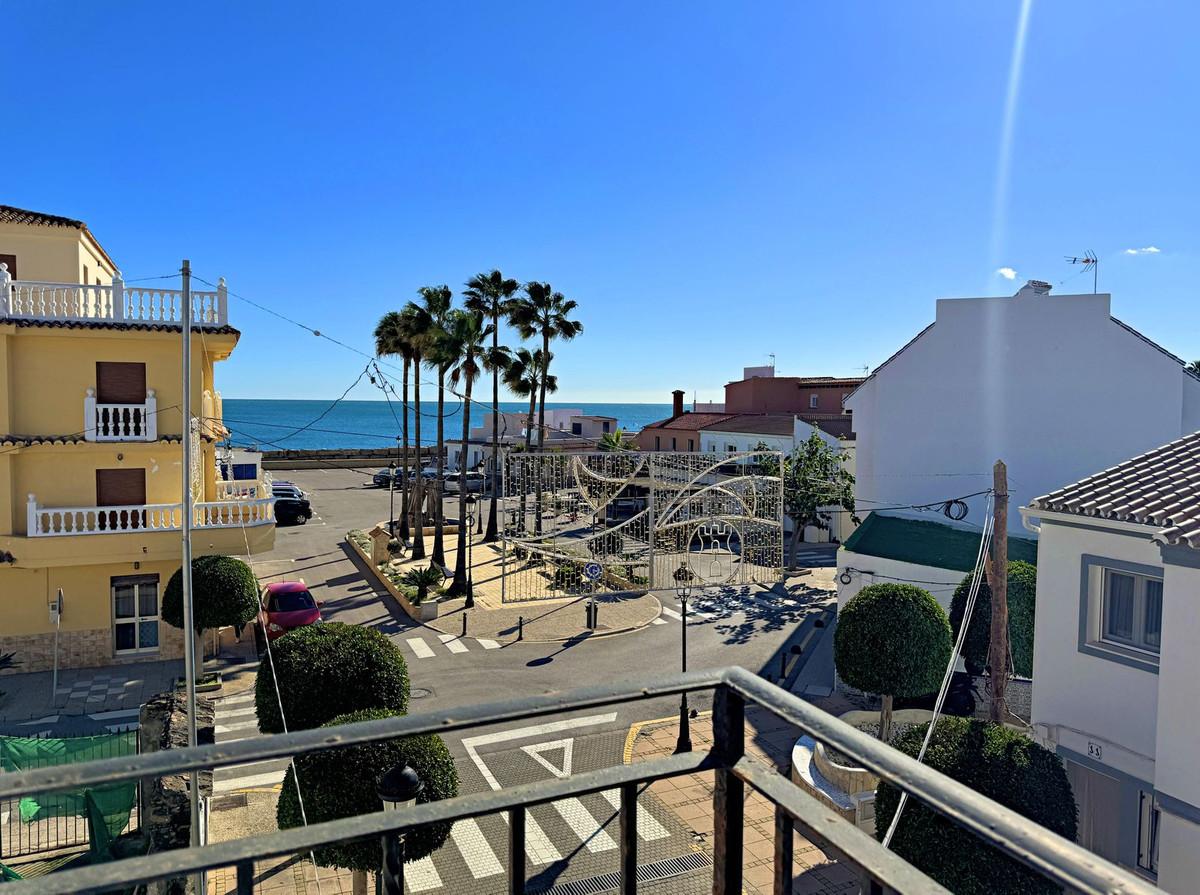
(120,487)
(11,261)
(120,383)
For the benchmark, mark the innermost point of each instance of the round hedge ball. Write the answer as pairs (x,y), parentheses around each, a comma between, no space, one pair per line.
(1022,596)
(892,639)
(224,592)
(329,670)
(339,783)
(997,762)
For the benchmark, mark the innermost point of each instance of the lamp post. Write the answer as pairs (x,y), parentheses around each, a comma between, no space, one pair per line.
(470,502)
(392,498)
(400,788)
(683,590)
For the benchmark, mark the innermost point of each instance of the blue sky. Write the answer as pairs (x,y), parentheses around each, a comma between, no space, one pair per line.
(711,182)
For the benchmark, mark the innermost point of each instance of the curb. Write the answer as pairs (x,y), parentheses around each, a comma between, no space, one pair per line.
(594,635)
(636,727)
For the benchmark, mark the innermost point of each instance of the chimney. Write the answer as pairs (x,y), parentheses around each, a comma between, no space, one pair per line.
(1035,287)
(677,403)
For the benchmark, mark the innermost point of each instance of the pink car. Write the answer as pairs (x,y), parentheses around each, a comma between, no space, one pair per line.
(286,605)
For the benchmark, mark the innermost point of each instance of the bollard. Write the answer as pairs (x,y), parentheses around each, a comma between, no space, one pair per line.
(587,615)
(464,633)
(595,615)
(520,627)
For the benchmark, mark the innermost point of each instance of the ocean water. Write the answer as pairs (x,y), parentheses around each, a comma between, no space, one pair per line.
(314,425)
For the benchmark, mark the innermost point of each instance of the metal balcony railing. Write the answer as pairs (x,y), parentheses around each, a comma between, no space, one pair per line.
(882,871)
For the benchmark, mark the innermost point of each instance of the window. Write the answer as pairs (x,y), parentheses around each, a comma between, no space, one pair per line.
(120,382)
(11,261)
(814,401)
(1132,610)
(135,614)
(605,426)
(1148,815)
(85,275)
(731,448)
(657,445)
(691,445)
(673,444)
(576,428)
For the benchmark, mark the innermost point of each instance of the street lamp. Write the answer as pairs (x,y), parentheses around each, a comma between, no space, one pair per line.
(400,788)
(683,590)
(392,498)
(470,514)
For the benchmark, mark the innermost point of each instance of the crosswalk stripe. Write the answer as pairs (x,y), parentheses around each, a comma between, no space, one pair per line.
(239,712)
(421,876)
(240,699)
(236,726)
(671,613)
(538,847)
(658,621)
(475,849)
(251,781)
(420,647)
(453,643)
(647,827)
(487,644)
(580,820)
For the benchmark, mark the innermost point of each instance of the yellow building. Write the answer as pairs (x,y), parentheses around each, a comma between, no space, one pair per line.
(91,462)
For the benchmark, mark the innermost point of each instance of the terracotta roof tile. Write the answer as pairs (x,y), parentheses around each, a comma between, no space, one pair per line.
(225,329)
(1159,488)
(12,215)
(689,420)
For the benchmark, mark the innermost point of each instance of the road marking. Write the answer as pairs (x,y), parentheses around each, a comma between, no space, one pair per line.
(586,827)
(807,637)
(235,727)
(453,643)
(470,744)
(250,781)
(119,713)
(658,621)
(538,847)
(487,644)
(237,712)
(671,613)
(535,750)
(475,849)
(52,719)
(647,827)
(420,647)
(421,876)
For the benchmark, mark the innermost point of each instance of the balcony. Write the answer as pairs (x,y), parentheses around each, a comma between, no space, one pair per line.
(120,422)
(246,511)
(734,689)
(82,303)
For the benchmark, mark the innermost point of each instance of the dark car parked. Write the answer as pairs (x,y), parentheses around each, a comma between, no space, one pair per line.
(292,510)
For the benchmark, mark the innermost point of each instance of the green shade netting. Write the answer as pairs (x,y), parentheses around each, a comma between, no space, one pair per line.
(107,808)
(7,874)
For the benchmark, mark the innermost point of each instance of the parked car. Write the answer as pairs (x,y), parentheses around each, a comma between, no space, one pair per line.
(383,478)
(287,489)
(428,472)
(284,606)
(292,510)
(475,482)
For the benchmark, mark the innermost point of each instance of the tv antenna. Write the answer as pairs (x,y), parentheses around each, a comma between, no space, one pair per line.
(1089,262)
(772,357)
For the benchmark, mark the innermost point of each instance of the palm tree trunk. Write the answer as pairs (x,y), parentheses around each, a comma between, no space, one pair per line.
(528,445)
(404,533)
(494,465)
(537,519)
(418,545)
(439,547)
(459,584)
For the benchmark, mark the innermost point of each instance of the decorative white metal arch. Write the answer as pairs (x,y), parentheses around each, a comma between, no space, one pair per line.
(643,517)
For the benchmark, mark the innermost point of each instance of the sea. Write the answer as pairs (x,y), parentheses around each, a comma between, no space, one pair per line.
(320,425)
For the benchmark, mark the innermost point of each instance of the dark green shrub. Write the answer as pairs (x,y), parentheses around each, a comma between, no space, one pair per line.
(1022,595)
(422,580)
(339,783)
(1003,765)
(894,640)
(329,670)
(224,592)
(567,576)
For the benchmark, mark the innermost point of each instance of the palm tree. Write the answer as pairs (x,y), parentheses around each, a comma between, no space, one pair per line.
(436,302)
(416,326)
(616,440)
(391,339)
(524,378)
(543,313)
(466,341)
(489,293)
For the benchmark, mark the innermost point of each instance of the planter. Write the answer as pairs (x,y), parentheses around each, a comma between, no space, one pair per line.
(426,610)
(209,682)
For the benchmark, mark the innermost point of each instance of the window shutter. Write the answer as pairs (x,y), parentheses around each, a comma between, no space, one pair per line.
(119,382)
(120,487)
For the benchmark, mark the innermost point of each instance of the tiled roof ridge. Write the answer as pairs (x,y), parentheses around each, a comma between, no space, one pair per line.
(10,214)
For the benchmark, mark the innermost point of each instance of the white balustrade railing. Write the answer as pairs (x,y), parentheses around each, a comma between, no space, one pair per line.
(242,489)
(118,303)
(120,422)
(55,521)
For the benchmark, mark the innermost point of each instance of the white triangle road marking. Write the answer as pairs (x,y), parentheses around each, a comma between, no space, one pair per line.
(535,750)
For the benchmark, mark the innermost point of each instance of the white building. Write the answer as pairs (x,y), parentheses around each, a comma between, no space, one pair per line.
(1116,669)
(1053,385)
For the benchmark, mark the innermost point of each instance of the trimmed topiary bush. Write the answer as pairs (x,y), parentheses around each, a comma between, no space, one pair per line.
(1022,595)
(329,670)
(339,783)
(224,592)
(1003,765)
(894,640)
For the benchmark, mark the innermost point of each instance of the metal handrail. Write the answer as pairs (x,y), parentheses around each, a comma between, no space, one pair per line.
(1012,834)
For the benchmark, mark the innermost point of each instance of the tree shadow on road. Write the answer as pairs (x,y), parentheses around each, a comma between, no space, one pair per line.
(762,611)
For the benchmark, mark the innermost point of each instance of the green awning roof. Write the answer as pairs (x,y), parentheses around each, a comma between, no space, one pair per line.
(928,543)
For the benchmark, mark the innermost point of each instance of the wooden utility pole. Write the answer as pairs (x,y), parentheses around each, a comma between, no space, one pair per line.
(998,573)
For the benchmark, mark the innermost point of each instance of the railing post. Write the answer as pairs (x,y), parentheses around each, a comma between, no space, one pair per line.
(393,865)
(628,823)
(785,839)
(150,420)
(89,415)
(516,851)
(245,878)
(222,303)
(118,297)
(729,745)
(5,289)
(31,521)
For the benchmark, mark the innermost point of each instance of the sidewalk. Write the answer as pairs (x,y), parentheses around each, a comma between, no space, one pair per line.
(547,620)
(690,797)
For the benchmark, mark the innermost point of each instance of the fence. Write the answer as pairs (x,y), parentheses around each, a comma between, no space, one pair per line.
(625,521)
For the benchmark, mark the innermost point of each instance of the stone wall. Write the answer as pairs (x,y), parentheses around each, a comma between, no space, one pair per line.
(165,807)
(91,648)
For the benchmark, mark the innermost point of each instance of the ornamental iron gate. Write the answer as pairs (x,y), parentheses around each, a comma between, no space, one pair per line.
(627,521)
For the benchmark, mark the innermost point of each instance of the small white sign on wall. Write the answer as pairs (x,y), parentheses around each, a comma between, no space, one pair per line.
(1095,750)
